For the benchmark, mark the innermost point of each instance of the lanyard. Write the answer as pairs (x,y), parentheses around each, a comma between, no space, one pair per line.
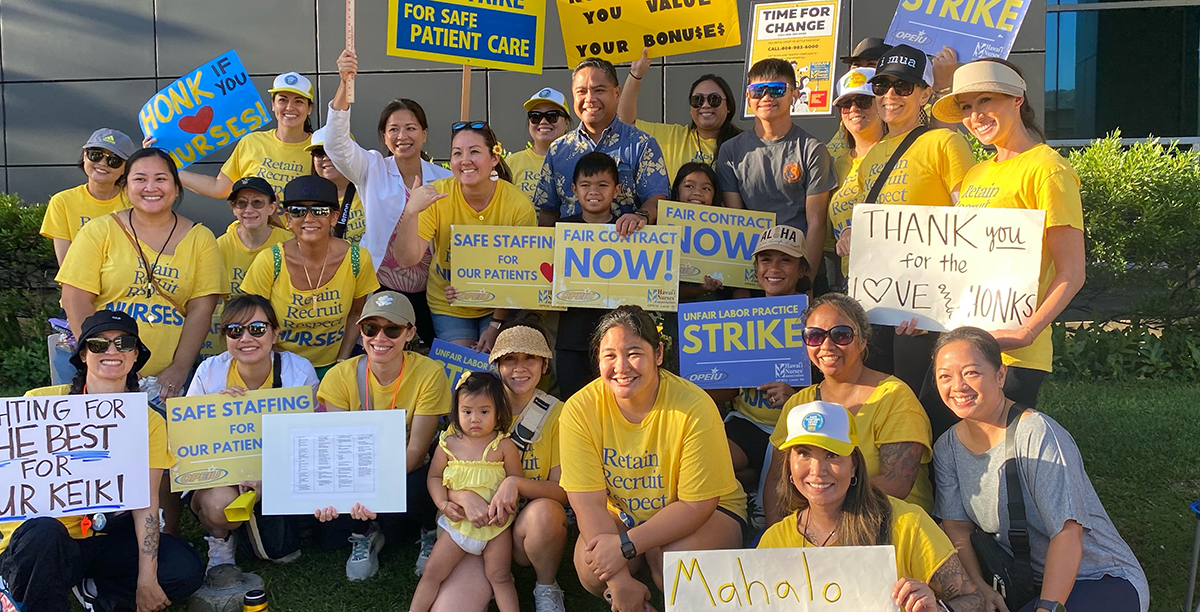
(368,399)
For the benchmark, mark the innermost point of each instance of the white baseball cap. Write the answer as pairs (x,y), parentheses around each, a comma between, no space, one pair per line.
(551,95)
(823,424)
(855,83)
(293,82)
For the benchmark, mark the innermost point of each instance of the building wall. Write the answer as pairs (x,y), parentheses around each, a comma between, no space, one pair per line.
(68,67)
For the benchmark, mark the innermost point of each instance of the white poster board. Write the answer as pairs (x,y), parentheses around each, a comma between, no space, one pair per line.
(64,455)
(831,579)
(947,266)
(311,461)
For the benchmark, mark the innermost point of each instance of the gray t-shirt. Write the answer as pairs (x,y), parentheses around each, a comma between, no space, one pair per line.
(1056,489)
(776,175)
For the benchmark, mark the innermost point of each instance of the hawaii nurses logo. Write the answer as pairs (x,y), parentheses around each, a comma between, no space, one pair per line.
(545,93)
(383,300)
(813,422)
(290,79)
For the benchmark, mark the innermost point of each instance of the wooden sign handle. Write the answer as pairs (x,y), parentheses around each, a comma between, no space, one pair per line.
(350,45)
(465,106)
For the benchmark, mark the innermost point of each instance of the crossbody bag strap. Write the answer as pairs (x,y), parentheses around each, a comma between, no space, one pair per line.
(277,377)
(881,180)
(339,229)
(1018,527)
(354,260)
(277,257)
(817,396)
(364,390)
(526,430)
(146,266)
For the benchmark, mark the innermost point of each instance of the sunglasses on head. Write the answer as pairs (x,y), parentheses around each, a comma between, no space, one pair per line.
(257,329)
(550,116)
(774,89)
(112,159)
(319,152)
(714,100)
(370,330)
(125,343)
(297,211)
(902,88)
(862,102)
(840,334)
(458,126)
(242,203)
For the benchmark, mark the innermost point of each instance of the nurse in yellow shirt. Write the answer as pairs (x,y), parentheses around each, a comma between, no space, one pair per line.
(862,129)
(103,155)
(152,263)
(832,501)
(989,98)
(712,108)
(548,119)
(352,221)
(164,568)
(479,193)
(317,283)
(645,465)
(276,155)
(253,203)
(895,439)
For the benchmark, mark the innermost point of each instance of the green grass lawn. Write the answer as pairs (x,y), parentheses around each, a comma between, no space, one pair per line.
(1140,442)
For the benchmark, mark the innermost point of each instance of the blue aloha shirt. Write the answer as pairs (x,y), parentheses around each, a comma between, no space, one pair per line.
(642,172)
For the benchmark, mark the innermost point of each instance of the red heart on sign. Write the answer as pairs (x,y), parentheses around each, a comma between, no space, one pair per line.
(548,271)
(198,123)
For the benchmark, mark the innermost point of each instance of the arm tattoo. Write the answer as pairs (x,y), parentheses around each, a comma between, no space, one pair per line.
(952,584)
(150,540)
(900,461)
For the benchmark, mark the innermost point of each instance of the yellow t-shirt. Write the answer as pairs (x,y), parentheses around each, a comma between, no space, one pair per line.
(678,452)
(838,145)
(508,207)
(921,547)
(312,331)
(160,458)
(421,388)
(103,261)
(356,223)
(1038,179)
(542,455)
(925,175)
(753,403)
(890,415)
(680,144)
(71,209)
(264,155)
(237,257)
(841,205)
(526,168)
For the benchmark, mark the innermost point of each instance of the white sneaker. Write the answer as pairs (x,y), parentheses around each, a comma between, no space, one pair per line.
(428,539)
(548,598)
(86,593)
(364,556)
(220,551)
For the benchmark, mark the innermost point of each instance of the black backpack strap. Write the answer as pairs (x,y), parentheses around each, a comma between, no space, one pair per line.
(339,228)
(881,180)
(277,379)
(1018,527)
(818,394)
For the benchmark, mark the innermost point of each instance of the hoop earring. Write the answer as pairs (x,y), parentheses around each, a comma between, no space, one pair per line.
(854,481)
(495,176)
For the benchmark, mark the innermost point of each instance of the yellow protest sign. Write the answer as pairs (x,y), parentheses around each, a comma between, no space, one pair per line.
(505,34)
(805,34)
(217,439)
(716,241)
(594,267)
(501,266)
(618,30)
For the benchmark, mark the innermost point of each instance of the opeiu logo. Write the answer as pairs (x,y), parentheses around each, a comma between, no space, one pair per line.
(914,37)
(201,476)
(712,375)
(578,295)
(687,269)
(477,296)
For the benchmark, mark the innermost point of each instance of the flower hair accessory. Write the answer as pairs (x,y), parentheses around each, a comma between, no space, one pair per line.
(498,149)
(462,379)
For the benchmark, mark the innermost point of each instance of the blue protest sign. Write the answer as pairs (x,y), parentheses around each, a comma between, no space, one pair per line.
(207,109)
(975,29)
(458,359)
(744,343)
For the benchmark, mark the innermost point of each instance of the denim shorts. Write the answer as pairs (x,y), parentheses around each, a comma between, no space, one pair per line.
(450,328)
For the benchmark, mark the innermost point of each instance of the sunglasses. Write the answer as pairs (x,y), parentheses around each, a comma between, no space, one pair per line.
(458,126)
(903,88)
(319,152)
(125,343)
(774,89)
(840,334)
(862,102)
(257,329)
(714,100)
(551,117)
(112,159)
(319,211)
(371,330)
(242,203)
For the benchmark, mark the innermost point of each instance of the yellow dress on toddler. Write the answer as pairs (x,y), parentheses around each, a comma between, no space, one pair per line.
(480,477)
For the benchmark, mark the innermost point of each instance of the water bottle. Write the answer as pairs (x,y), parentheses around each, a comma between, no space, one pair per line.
(255,601)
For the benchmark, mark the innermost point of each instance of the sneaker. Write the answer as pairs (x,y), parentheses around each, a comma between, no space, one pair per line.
(548,598)
(758,518)
(220,551)
(87,594)
(288,558)
(428,539)
(364,556)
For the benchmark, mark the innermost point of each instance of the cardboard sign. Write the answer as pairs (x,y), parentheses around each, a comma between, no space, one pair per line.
(504,35)
(973,29)
(947,266)
(217,439)
(618,30)
(206,110)
(717,242)
(833,579)
(744,343)
(337,459)
(501,266)
(62,455)
(458,359)
(594,267)
(805,34)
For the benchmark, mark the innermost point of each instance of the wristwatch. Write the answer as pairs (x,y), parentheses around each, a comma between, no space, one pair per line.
(495,324)
(1047,604)
(628,550)
(643,214)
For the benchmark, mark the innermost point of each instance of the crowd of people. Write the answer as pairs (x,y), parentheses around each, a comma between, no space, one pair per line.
(336,270)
